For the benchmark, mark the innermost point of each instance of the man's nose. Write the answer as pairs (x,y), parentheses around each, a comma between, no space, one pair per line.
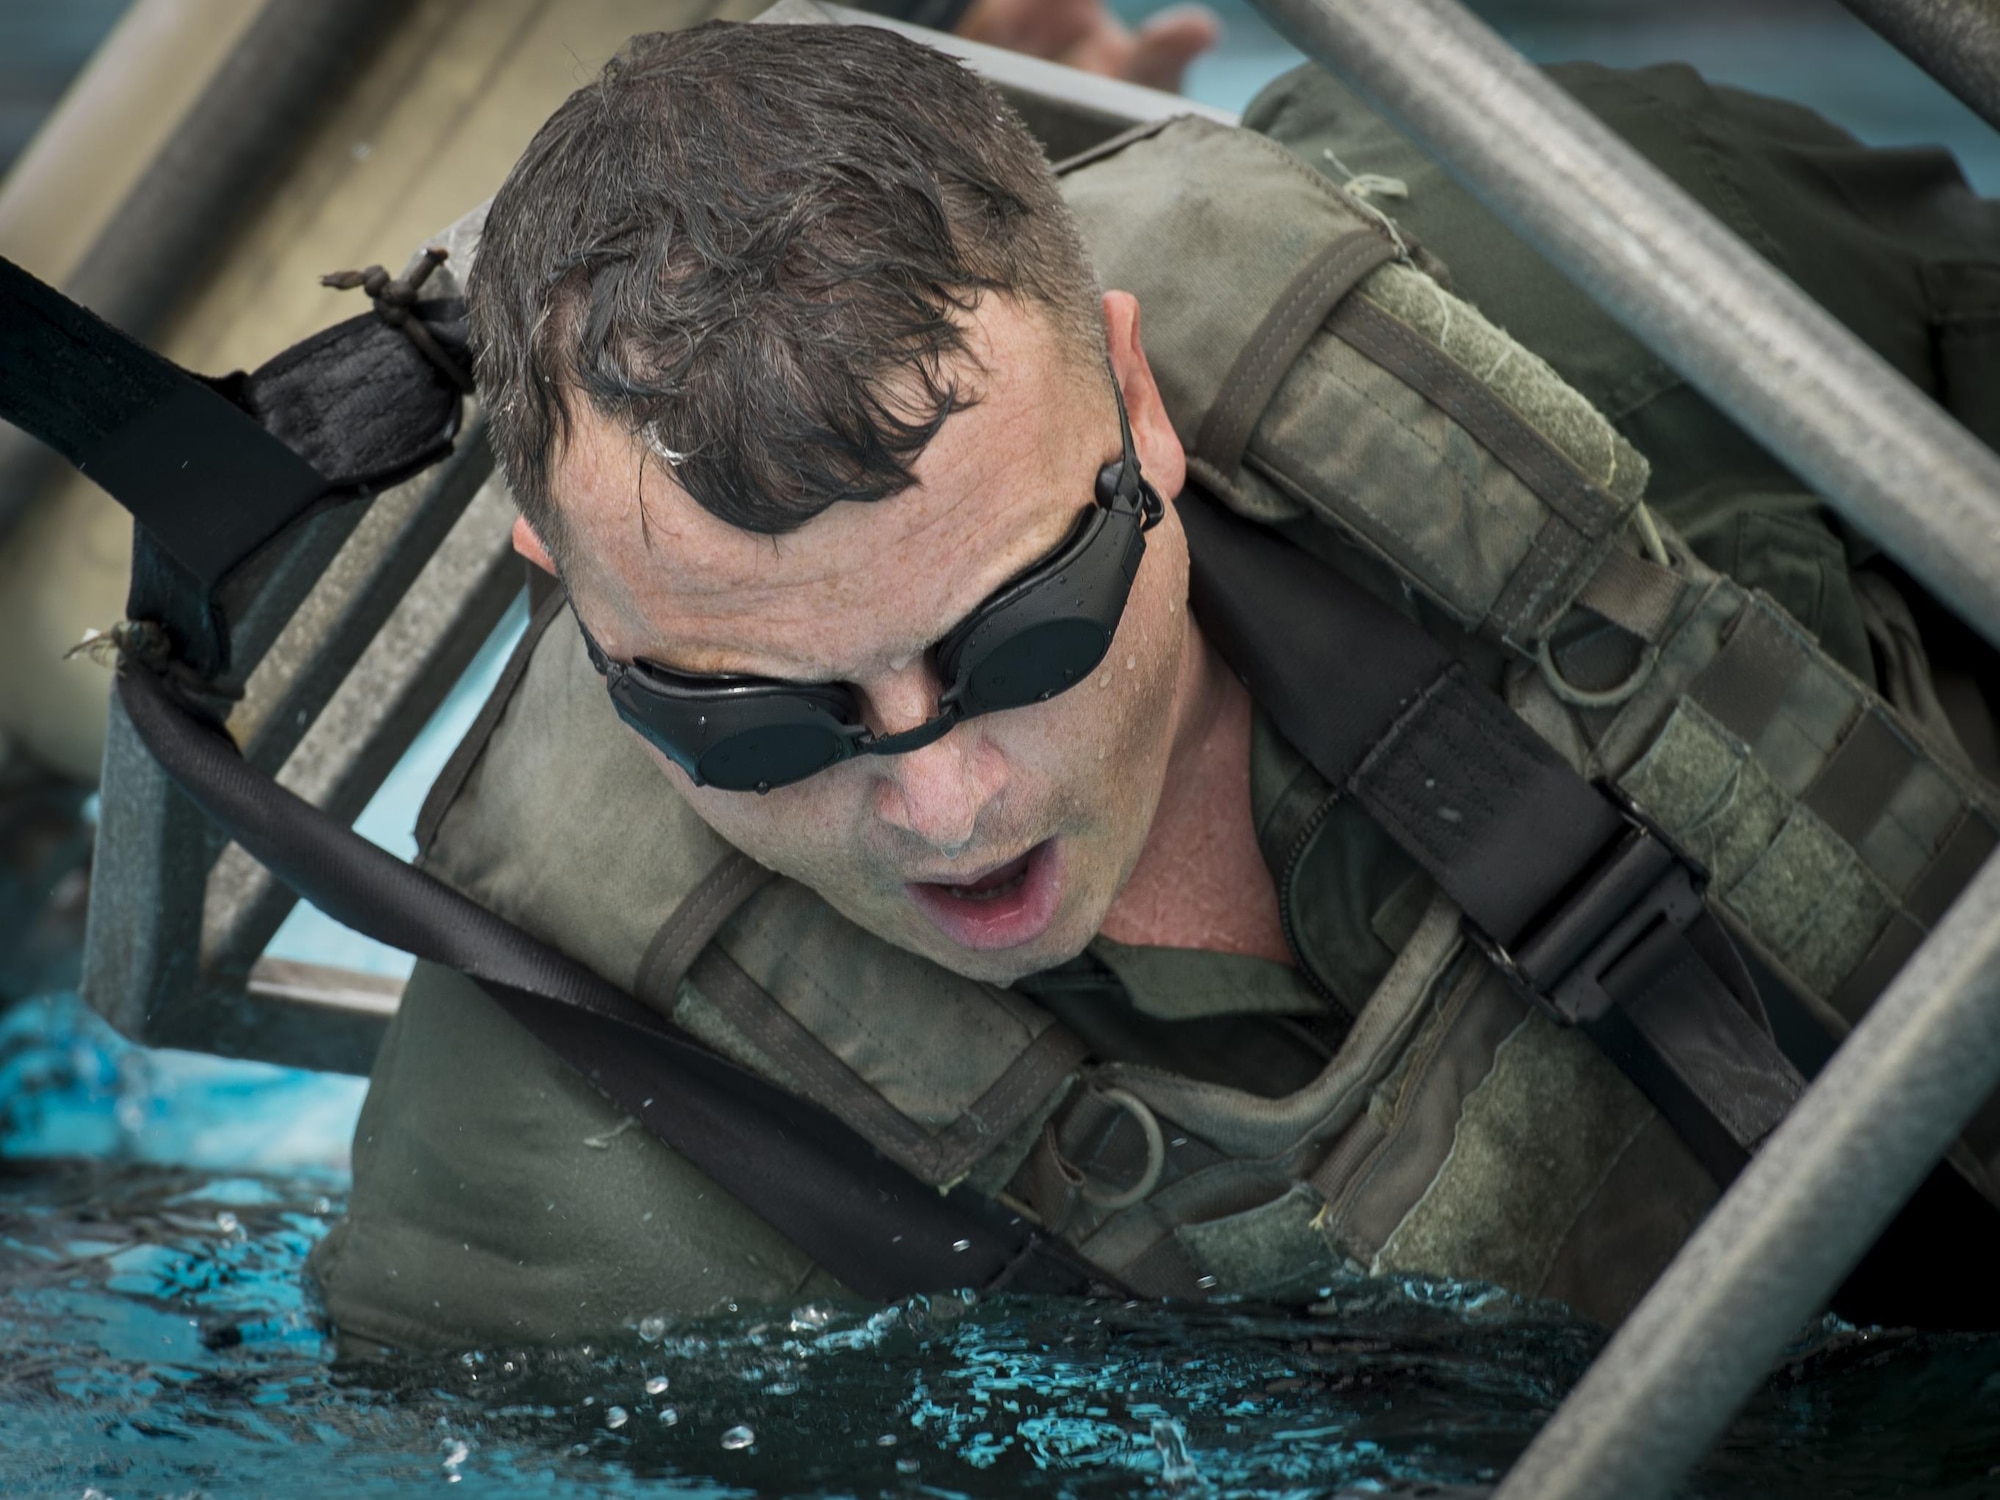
(935,794)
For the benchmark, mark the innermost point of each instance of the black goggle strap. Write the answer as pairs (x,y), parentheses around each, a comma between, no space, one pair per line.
(1130,493)
(927,733)
(598,659)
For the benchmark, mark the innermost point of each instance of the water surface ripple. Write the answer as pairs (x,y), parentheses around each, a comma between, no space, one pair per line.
(158,1341)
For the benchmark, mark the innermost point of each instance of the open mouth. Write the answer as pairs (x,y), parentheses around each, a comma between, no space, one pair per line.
(992,885)
(1009,905)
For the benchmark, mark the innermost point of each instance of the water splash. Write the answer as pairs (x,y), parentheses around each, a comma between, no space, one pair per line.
(150,1354)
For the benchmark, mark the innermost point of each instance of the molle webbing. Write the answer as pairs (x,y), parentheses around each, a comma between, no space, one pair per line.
(779,1044)
(1401,415)
(1833,834)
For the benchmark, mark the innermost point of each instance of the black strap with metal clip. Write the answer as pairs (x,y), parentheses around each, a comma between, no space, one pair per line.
(1592,914)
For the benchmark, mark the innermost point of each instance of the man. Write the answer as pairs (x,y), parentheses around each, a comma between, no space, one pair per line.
(65,565)
(783,418)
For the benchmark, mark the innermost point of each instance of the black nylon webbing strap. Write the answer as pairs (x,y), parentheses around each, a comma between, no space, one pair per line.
(213,470)
(1584,907)
(195,470)
(1499,820)
(1377,705)
(880,1230)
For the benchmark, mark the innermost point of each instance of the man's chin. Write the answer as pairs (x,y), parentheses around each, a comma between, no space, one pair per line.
(1001,967)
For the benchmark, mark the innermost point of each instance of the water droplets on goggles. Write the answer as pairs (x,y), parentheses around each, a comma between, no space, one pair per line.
(1039,634)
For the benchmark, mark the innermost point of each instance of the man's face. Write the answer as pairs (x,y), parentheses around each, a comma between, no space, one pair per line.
(997,850)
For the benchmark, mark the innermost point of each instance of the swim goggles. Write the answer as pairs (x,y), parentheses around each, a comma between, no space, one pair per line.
(1037,635)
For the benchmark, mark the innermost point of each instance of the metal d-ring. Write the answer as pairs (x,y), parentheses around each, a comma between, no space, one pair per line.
(1610,697)
(1156,1155)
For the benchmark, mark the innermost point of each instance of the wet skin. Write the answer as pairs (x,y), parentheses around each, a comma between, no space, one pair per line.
(1003,847)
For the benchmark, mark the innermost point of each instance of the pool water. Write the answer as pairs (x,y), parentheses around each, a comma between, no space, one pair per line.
(159,1343)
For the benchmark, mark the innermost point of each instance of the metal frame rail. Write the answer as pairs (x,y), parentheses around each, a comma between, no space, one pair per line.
(1913,1072)
(1957,42)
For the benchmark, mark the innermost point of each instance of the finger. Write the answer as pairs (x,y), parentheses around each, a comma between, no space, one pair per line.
(1168,42)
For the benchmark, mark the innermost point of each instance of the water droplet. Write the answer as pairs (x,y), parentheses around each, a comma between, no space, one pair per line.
(669,1416)
(886,1440)
(811,1317)
(1204,1282)
(509,1367)
(616,1417)
(653,1329)
(322,1206)
(226,1222)
(655,1384)
(1177,1465)
(1131,663)
(738,1437)
(961,1246)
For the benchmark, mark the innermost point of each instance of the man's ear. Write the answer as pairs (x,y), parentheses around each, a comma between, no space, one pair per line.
(530,546)
(1159,446)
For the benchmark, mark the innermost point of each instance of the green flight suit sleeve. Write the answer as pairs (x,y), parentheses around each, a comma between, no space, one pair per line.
(500,1201)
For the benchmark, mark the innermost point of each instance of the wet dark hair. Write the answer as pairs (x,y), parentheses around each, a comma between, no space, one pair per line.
(755,247)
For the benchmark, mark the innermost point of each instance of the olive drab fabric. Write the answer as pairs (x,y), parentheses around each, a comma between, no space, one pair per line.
(1196,1123)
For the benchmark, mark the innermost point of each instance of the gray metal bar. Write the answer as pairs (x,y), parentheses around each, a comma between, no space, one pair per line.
(378,710)
(1871,443)
(171,939)
(1823,1187)
(1957,42)
(297,670)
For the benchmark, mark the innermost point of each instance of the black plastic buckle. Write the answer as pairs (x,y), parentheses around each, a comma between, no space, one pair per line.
(1563,957)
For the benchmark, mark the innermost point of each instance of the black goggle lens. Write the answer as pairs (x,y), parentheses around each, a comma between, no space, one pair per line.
(1034,665)
(771,755)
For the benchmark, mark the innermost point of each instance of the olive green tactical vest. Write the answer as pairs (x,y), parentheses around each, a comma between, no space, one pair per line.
(1327,385)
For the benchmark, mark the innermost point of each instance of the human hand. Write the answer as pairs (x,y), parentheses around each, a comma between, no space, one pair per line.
(1085,34)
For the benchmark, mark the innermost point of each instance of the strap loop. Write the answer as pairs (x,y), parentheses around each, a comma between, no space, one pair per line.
(1111,1200)
(394,303)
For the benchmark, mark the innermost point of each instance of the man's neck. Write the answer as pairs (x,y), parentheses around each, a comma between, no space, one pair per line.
(1201,881)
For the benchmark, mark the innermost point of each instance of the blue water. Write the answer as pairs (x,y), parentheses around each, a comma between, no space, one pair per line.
(159,1343)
